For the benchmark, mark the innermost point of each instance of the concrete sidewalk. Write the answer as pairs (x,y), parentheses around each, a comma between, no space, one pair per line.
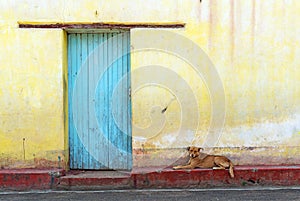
(152,177)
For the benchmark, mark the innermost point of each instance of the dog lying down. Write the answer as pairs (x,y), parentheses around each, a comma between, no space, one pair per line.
(209,161)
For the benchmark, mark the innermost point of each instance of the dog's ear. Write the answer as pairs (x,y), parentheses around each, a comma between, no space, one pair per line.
(188,148)
(199,149)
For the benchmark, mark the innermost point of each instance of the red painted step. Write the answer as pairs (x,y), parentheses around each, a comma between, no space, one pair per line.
(95,179)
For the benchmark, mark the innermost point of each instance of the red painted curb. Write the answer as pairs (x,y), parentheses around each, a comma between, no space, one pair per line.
(29,179)
(202,178)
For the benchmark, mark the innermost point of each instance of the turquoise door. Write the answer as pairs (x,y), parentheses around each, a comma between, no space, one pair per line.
(99,100)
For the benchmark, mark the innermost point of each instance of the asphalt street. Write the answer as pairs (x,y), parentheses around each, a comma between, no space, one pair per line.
(274,194)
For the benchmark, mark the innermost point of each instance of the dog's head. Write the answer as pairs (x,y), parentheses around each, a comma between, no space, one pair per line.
(194,151)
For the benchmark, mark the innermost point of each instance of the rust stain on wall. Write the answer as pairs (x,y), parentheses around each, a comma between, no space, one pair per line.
(212,19)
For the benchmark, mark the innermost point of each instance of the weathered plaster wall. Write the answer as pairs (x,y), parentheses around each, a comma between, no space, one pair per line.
(254,46)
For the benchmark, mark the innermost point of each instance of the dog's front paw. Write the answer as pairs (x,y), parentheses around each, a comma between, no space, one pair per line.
(176,167)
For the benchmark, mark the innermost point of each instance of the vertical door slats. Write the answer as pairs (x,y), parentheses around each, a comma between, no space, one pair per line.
(108,144)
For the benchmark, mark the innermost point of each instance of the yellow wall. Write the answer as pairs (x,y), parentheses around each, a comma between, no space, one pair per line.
(254,46)
(31,96)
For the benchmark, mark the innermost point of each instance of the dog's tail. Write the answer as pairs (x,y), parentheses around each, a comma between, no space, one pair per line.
(231,169)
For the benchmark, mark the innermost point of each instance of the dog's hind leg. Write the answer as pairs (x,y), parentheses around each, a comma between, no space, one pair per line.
(225,163)
(221,163)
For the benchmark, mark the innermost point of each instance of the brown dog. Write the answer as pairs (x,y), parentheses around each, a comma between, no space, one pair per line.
(209,161)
